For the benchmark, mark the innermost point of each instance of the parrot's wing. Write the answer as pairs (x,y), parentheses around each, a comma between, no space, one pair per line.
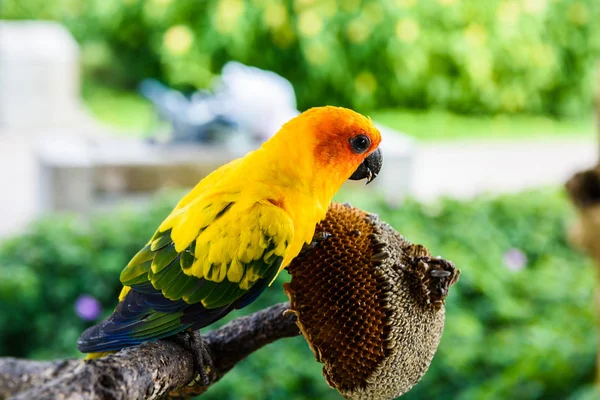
(237,246)
(229,264)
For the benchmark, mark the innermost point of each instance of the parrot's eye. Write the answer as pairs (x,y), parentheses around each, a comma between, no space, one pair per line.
(360,143)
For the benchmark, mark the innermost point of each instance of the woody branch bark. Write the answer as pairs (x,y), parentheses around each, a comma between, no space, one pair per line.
(151,370)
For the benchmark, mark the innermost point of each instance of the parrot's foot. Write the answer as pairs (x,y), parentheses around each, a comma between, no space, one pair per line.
(203,361)
(317,239)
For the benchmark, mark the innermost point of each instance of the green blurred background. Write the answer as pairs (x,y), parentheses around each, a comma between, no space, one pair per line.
(388,57)
(520,323)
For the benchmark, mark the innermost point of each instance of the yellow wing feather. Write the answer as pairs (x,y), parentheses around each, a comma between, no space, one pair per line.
(229,236)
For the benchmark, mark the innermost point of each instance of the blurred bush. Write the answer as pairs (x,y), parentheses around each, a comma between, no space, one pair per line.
(519,322)
(469,56)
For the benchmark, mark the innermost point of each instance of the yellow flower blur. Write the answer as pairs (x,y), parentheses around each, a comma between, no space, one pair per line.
(310,24)
(178,40)
(476,35)
(227,15)
(578,14)
(508,11)
(407,30)
(534,7)
(358,30)
(275,14)
(316,53)
(365,83)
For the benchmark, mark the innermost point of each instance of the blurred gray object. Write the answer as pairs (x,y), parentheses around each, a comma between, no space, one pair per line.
(260,101)
(246,100)
(198,118)
(39,78)
(39,97)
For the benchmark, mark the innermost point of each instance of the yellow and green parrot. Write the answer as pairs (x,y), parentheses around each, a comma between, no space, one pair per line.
(229,238)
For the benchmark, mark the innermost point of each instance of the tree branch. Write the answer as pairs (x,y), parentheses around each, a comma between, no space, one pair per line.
(132,373)
(18,375)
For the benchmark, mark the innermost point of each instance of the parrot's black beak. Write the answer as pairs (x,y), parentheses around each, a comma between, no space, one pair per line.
(369,168)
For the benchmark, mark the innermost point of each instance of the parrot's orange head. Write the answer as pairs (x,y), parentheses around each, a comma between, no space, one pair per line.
(342,140)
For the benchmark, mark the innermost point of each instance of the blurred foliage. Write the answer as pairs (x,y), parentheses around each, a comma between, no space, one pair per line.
(127,111)
(522,331)
(133,115)
(469,56)
(438,124)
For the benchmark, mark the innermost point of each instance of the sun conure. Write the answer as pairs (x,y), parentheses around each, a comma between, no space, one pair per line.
(228,239)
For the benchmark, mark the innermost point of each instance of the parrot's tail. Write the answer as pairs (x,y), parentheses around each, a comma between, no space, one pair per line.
(145,317)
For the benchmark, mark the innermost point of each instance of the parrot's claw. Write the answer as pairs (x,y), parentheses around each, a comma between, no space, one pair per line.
(317,239)
(204,363)
(202,358)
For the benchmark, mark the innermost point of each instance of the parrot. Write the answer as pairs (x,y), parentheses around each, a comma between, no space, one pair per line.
(227,240)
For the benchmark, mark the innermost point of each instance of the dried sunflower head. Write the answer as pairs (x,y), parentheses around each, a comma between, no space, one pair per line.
(369,303)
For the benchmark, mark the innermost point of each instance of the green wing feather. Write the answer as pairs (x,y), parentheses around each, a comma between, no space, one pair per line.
(241,245)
